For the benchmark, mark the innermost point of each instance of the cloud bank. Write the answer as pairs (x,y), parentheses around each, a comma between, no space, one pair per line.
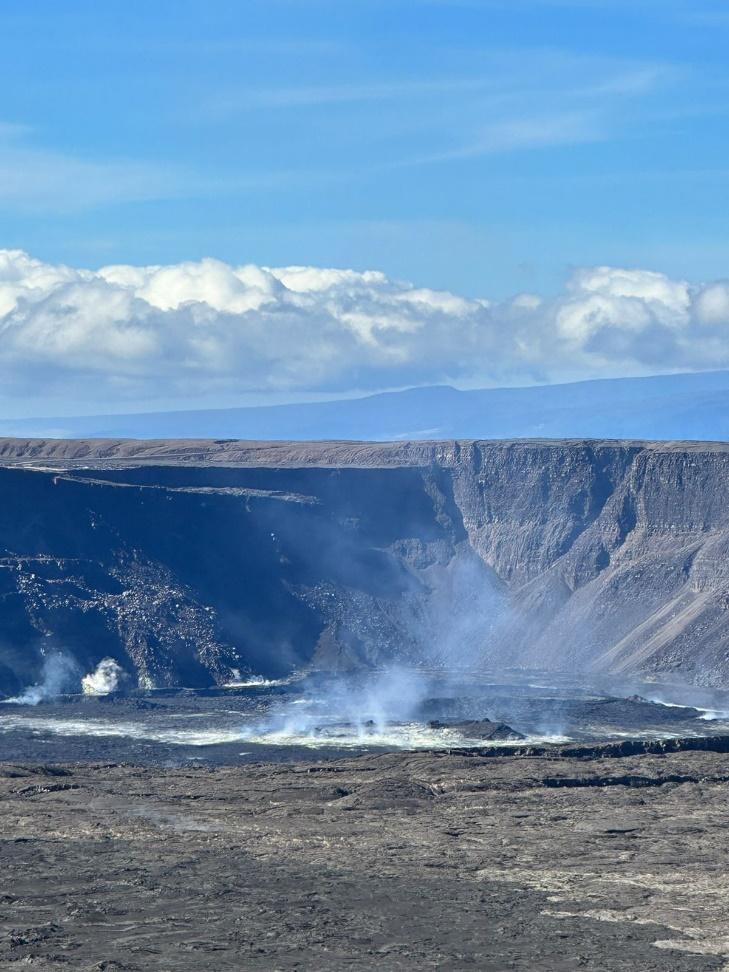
(126,334)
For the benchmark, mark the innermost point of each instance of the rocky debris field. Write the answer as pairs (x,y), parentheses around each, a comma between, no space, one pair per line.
(397,861)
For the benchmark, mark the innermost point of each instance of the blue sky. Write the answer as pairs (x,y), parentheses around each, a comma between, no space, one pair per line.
(540,185)
(482,147)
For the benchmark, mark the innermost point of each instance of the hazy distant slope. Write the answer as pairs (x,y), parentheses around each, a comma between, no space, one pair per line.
(694,406)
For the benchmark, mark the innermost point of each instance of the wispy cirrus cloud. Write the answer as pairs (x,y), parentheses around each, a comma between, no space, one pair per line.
(307,96)
(546,131)
(526,72)
(37,179)
(507,107)
(499,101)
(33,177)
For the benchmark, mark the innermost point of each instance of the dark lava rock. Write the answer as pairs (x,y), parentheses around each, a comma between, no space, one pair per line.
(430,861)
(480,729)
(387,793)
(635,711)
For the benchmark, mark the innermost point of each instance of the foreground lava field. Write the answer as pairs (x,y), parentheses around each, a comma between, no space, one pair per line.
(397,861)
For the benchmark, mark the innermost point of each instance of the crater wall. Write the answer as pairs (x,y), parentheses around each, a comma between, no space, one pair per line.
(187,560)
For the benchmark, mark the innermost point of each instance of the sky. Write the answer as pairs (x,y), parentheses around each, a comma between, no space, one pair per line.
(484,160)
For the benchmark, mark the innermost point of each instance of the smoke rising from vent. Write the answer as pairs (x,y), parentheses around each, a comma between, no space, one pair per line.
(452,633)
(250,681)
(359,707)
(105,678)
(59,674)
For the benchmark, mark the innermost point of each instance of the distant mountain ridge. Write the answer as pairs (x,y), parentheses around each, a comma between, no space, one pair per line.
(685,406)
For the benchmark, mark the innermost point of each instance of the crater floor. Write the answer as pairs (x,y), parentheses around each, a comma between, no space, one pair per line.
(389,861)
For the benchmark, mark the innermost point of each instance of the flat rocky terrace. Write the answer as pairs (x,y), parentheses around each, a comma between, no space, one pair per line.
(108,453)
(408,861)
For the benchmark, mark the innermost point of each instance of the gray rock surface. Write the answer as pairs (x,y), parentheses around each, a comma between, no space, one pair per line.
(394,862)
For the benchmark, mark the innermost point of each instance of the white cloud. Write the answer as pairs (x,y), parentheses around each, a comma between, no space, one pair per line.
(124,334)
(712,304)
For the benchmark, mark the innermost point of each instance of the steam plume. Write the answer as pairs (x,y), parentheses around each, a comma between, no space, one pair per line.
(104,679)
(59,674)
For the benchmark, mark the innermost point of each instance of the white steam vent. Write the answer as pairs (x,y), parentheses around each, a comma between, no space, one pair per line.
(59,675)
(104,679)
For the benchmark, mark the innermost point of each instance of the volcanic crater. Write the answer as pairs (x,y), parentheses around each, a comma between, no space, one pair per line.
(345,705)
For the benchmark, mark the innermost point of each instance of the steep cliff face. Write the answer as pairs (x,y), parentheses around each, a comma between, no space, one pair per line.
(187,561)
(184,574)
(615,556)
